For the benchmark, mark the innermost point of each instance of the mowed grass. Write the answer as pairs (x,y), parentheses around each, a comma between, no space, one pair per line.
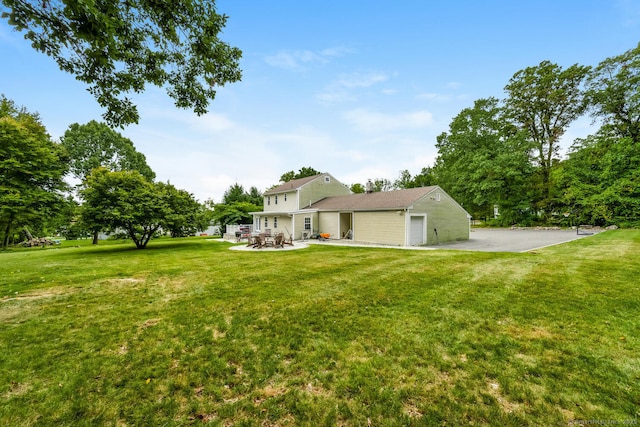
(188,332)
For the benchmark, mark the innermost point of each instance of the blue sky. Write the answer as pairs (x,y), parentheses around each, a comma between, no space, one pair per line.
(359,89)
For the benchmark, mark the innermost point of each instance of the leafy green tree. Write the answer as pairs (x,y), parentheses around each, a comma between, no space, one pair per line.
(69,223)
(31,171)
(544,100)
(357,188)
(382,184)
(235,193)
(125,200)
(613,91)
(600,181)
(234,213)
(96,145)
(255,197)
(118,47)
(184,215)
(404,180)
(425,178)
(302,173)
(484,161)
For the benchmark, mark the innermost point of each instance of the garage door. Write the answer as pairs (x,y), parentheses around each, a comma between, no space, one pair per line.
(416,231)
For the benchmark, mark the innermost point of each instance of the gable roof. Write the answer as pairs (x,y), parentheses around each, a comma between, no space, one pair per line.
(293,184)
(398,199)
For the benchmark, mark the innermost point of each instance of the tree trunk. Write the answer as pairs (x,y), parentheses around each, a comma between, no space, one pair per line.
(95,238)
(7,233)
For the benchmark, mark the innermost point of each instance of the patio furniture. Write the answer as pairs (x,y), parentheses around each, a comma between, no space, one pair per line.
(259,241)
(279,241)
(268,241)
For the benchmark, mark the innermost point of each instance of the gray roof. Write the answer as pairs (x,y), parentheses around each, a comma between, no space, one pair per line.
(398,199)
(292,185)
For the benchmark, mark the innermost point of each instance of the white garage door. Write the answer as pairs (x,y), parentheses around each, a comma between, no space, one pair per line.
(416,231)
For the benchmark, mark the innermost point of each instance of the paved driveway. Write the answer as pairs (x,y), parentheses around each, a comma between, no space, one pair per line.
(507,240)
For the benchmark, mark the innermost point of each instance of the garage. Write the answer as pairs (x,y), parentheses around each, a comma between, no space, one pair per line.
(417,230)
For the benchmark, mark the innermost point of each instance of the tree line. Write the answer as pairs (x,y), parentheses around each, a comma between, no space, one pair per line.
(117,188)
(500,158)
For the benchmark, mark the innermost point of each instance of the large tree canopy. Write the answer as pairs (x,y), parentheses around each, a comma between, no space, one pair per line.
(236,193)
(31,170)
(484,161)
(97,145)
(125,200)
(118,47)
(600,181)
(614,94)
(544,100)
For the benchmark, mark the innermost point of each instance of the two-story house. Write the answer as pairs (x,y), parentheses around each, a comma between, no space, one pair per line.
(286,206)
(321,204)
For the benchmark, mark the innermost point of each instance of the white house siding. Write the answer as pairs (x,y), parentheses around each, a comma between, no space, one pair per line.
(329,222)
(284,224)
(298,226)
(383,227)
(279,205)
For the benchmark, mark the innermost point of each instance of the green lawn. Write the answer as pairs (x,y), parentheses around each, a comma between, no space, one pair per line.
(189,332)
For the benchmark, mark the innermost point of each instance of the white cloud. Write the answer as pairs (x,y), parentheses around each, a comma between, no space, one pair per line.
(360,79)
(371,121)
(296,60)
(434,96)
(293,61)
(342,89)
(210,122)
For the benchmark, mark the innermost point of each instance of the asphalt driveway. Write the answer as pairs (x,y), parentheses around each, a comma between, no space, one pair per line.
(508,240)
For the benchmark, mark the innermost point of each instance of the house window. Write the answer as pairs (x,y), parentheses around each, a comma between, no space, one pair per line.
(327,179)
(437,197)
(275,222)
(307,223)
(285,197)
(266,222)
(256,223)
(268,200)
(275,201)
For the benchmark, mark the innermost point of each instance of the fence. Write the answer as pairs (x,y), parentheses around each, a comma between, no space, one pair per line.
(242,228)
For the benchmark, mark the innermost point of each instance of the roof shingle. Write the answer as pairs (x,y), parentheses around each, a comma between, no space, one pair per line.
(292,185)
(398,199)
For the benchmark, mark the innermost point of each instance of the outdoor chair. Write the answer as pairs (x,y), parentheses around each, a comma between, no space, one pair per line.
(279,240)
(259,241)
